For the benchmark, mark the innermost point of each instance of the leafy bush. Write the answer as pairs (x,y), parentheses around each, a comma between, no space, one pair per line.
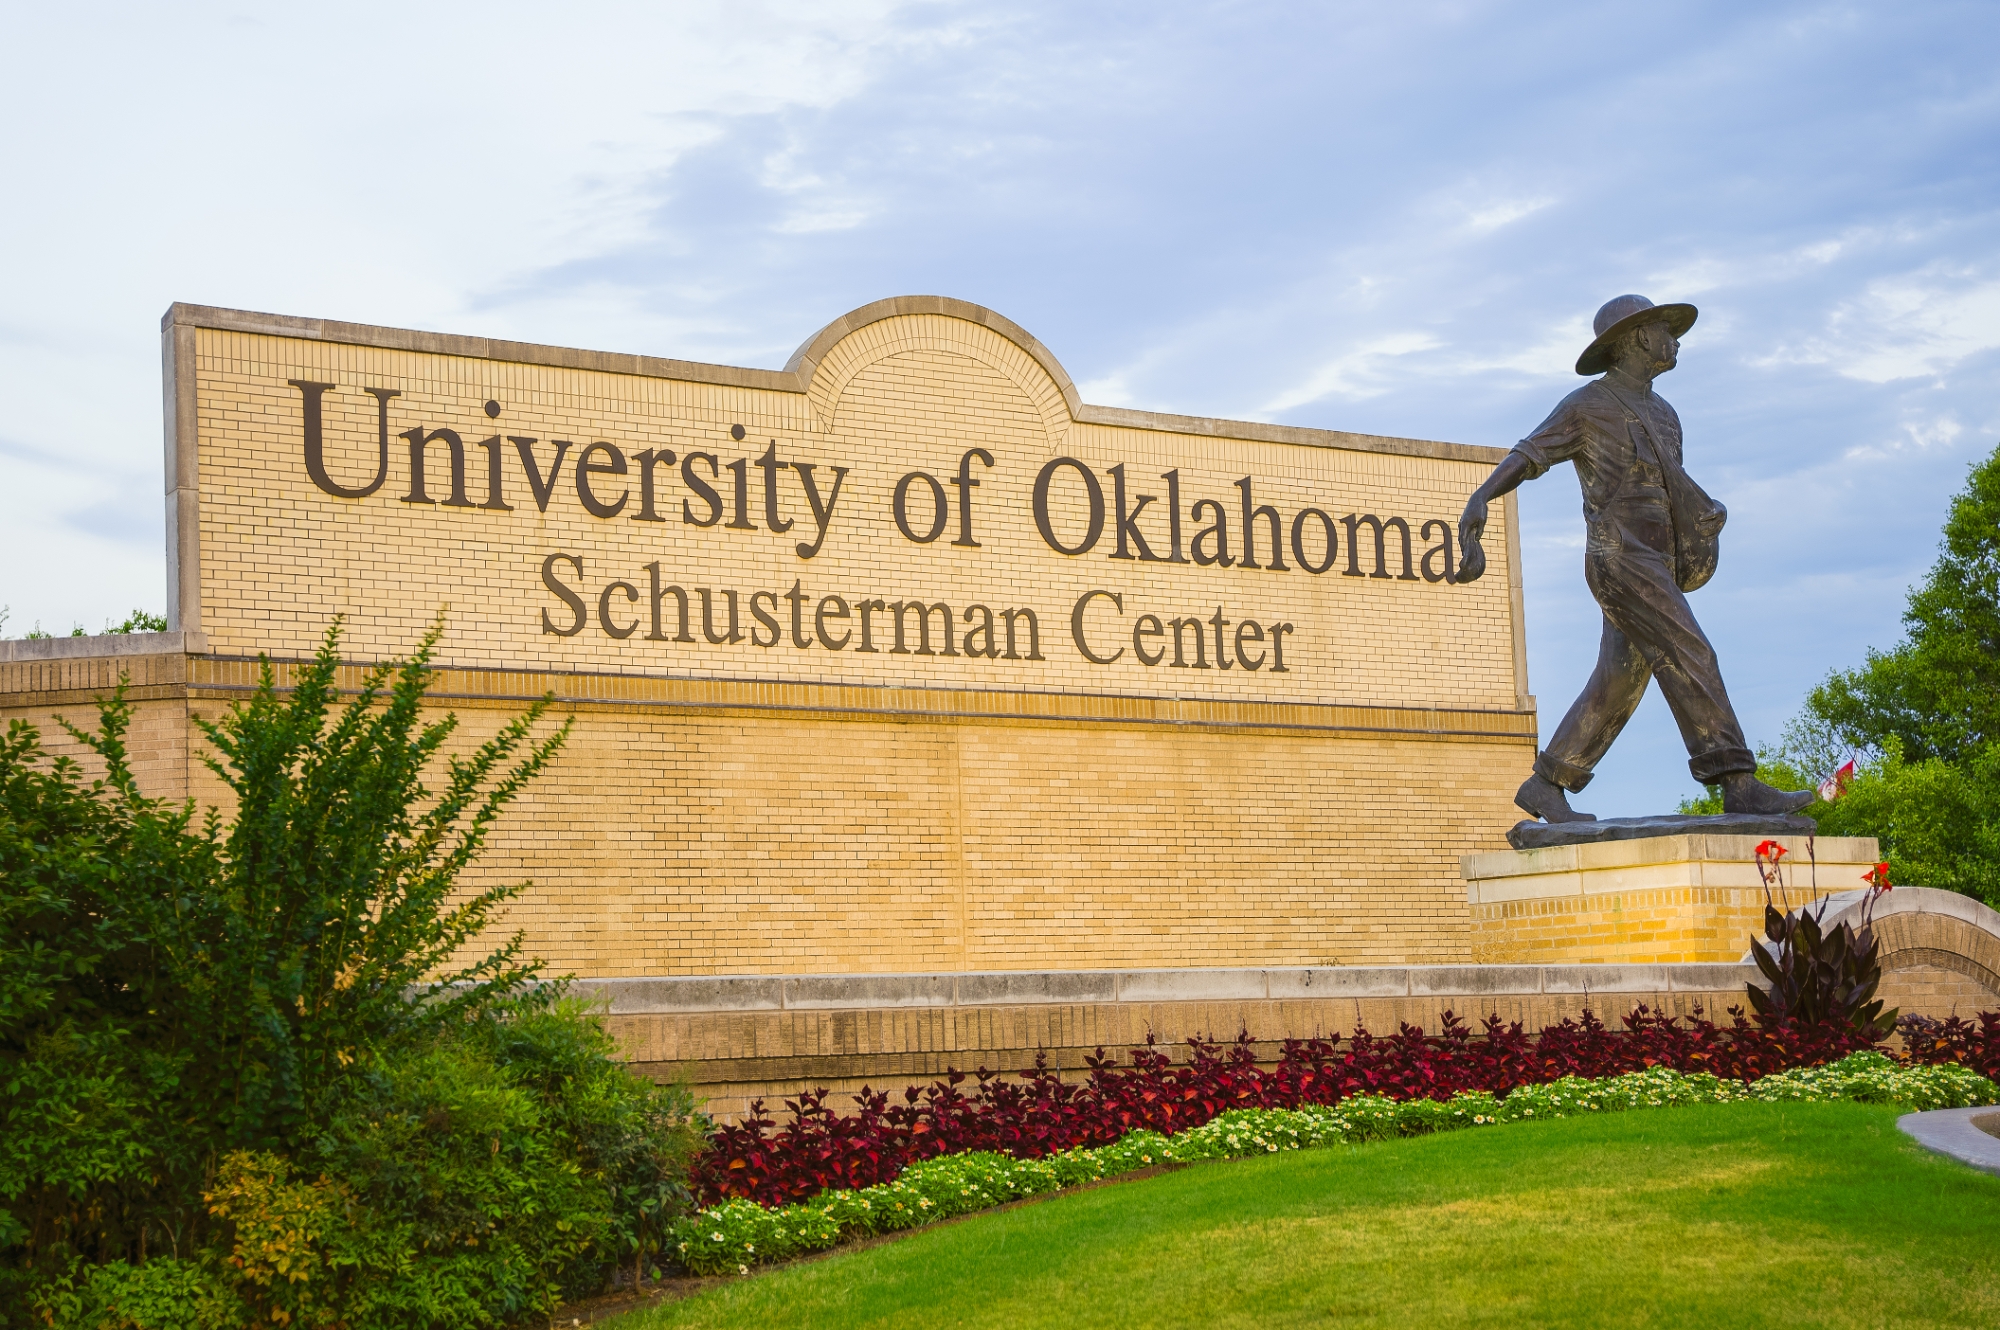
(99,1146)
(730,1237)
(271,1072)
(1819,974)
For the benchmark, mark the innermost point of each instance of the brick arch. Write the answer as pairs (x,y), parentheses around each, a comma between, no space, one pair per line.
(831,358)
(1940,950)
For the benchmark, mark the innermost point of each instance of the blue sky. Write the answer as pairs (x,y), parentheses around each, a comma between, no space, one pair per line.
(1394,219)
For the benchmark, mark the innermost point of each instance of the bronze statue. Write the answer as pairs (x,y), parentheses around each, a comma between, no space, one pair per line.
(1652,538)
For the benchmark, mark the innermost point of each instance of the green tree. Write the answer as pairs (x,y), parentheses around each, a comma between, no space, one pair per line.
(139,621)
(1936,694)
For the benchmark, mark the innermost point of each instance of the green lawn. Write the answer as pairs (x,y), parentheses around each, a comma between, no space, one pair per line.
(1721,1215)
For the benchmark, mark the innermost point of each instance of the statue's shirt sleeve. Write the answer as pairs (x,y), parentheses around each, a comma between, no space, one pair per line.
(1591,428)
(1556,440)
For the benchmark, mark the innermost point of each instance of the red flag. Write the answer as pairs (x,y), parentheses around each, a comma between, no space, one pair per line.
(1836,785)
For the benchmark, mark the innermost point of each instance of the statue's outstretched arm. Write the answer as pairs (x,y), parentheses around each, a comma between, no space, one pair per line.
(1506,478)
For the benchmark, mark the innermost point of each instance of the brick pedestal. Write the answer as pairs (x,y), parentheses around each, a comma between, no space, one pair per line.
(1663,900)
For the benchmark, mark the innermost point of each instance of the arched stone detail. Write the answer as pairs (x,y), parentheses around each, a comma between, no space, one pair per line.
(832,357)
(1926,935)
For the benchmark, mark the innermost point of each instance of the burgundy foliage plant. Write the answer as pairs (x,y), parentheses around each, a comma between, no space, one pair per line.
(1933,1042)
(1039,1112)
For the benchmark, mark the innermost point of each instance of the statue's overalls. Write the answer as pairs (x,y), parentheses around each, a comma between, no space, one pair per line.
(1626,443)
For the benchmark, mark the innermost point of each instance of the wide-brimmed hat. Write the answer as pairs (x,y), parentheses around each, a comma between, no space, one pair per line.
(1619,316)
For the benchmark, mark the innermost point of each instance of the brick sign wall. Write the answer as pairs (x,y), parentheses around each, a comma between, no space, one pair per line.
(899,659)
(926,512)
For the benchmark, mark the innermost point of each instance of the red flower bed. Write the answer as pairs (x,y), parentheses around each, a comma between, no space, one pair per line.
(1934,1042)
(1040,1113)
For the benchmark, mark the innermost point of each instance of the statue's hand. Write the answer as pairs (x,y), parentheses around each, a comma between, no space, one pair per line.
(1471,554)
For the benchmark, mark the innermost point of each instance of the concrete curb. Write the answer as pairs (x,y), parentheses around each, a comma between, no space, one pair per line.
(1957,1132)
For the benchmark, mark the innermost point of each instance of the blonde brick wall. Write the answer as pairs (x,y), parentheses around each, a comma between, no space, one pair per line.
(160,743)
(1934,990)
(704,827)
(1668,925)
(760,845)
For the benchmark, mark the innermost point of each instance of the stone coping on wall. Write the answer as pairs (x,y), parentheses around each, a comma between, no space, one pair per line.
(865,992)
(1498,876)
(102,645)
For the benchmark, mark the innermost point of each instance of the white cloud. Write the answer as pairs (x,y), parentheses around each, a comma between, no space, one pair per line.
(1916,436)
(1707,272)
(1496,215)
(1907,326)
(1552,355)
(1354,373)
(834,219)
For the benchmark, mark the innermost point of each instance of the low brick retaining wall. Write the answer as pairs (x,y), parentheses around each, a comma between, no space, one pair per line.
(768,1037)
(739,1038)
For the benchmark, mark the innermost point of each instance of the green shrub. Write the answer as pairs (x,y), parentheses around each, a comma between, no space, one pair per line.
(272,1072)
(98,1146)
(164,1293)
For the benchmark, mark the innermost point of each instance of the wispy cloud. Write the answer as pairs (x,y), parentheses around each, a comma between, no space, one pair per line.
(1924,434)
(1912,326)
(26,452)
(1493,216)
(1354,373)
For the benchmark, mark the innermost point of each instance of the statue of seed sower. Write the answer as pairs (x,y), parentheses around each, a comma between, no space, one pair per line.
(1652,537)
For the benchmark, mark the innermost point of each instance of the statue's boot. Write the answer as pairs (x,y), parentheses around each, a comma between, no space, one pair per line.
(1546,800)
(1744,793)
